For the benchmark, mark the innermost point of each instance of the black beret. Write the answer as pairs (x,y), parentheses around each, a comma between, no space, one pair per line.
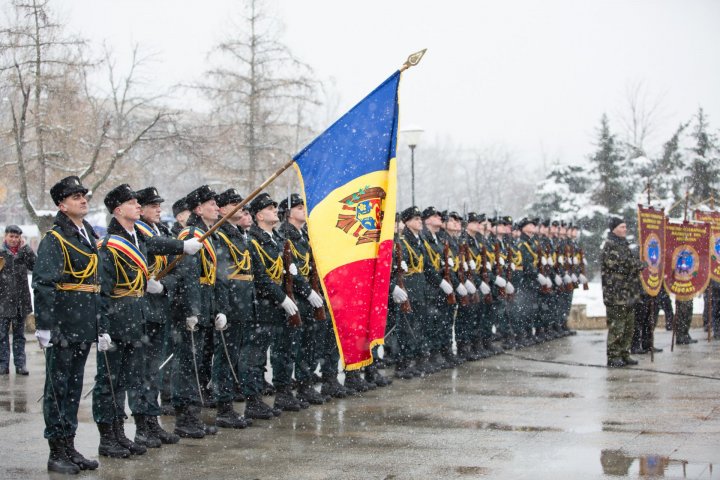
(295,200)
(179,207)
(261,201)
(429,212)
(409,213)
(13,229)
(119,195)
(148,196)
(227,197)
(199,195)
(613,222)
(66,187)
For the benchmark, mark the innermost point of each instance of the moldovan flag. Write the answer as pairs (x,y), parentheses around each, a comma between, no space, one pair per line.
(348,176)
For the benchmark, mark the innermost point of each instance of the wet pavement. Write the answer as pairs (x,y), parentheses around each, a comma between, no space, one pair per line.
(510,416)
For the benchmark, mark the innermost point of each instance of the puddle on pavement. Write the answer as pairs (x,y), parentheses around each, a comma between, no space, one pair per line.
(550,375)
(618,463)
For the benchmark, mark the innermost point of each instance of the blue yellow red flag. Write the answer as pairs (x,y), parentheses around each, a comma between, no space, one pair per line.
(348,176)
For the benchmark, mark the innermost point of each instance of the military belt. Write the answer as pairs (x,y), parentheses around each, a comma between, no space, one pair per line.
(78,287)
(124,292)
(239,276)
(206,281)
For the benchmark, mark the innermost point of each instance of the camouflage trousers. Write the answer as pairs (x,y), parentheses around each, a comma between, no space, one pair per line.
(621,324)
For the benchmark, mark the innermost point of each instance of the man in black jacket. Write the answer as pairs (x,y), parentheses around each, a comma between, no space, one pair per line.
(16,258)
(620,270)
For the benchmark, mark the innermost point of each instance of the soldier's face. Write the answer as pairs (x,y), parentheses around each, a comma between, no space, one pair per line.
(74,206)
(237,216)
(152,212)
(621,230)
(563,231)
(543,230)
(553,230)
(453,225)
(434,221)
(529,229)
(208,211)
(414,224)
(246,219)
(12,239)
(182,217)
(297,213)
(268,215)
(129,210)
(473,227)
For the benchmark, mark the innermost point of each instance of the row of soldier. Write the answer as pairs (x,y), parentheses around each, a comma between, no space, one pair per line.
(203,329)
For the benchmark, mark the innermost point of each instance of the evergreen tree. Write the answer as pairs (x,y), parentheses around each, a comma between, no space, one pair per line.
(704,171)
(611,190)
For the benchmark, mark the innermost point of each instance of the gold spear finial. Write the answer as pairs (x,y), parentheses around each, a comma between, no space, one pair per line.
(413,59)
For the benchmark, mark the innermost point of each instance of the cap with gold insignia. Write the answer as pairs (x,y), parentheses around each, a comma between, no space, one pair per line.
(148,196)
(198,196)
(260,202)
(66,187)
(119,195)
(227,197)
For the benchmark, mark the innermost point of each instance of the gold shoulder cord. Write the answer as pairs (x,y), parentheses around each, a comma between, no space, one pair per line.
(208,266)
(432,255)
(534,255)
(304,268)
(241,260)
(275,270)
(124,287)
(417,262)
(80,276)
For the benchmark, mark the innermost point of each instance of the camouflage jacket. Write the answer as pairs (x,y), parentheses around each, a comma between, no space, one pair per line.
(620,270)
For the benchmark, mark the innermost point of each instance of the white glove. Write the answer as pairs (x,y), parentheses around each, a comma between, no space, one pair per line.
(550,261)
(500,282)
(461,290)
(43,337)
(584,261)
(445,287)
(466,267)
(509,289)
(399,295)
(451,262)
(472,264)
(512,266)
(315,299)
(583,279)
(292,269)
(543,260)
(567,279)
(104,341)
(561,260)
(484,288)
(191,246)
(574,278)
(502,261)
(470,287)
(220,321)
(403,265)
(154,287)
(558,280)
(542,279)
(488,267)
(190,322)
(289,306)
(570,260)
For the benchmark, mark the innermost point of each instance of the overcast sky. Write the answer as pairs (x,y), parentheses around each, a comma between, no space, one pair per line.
(534,76)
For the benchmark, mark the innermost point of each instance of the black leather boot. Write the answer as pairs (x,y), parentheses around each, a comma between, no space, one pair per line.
(227,417)
(158,432)
(143,435)
(285,401)
(109,446)
(58,461)
(76,457)
(256,408)
(184,426)
(332,387)
(307,393)
(119,429)
(373,375)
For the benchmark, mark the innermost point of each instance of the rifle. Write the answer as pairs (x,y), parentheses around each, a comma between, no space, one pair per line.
(582,268)
(485,274)
(405,307)
(288,281)
(318,313)
(446,274)
(499,268)
(465,249)
(465,300)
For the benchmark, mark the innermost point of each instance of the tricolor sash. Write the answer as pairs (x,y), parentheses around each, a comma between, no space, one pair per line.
(209,267)
(127,248)
(160,260)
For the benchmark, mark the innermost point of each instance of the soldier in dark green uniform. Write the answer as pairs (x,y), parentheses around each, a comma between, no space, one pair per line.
(307,299)
(274,307)
(125,275)
(547,308)
(235,297)
(181,214)
(67,307)
(530,282)
(465,310)
(195,313)
(158,325)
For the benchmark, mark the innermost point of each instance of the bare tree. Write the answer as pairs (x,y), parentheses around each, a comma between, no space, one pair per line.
(260,95)
(640,118)
(57,126)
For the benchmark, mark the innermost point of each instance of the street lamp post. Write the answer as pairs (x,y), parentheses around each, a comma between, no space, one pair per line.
(412,137)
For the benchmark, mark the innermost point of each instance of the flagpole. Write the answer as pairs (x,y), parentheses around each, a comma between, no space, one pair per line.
(228,215)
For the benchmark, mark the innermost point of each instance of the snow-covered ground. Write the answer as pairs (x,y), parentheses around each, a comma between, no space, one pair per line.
(595,307)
